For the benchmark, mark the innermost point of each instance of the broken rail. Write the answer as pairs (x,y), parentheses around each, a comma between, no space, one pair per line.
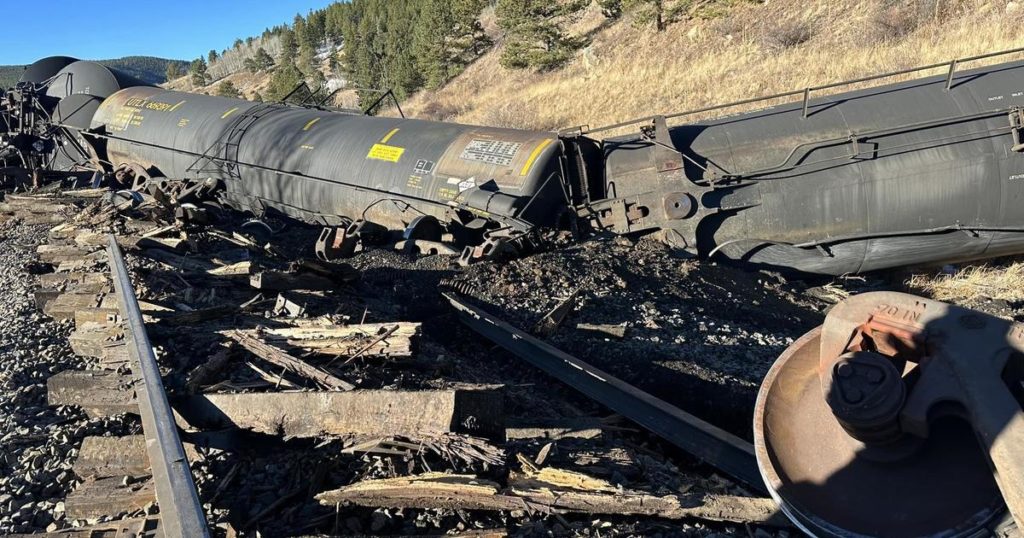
(181,513)
(711,444)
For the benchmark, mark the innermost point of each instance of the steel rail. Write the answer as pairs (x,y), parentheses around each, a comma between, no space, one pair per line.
(707,442)
(181,513)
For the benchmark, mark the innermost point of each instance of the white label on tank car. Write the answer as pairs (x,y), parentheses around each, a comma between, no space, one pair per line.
(423,167)
(490,151)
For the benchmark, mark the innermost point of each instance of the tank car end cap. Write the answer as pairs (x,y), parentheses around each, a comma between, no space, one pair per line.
(829,485)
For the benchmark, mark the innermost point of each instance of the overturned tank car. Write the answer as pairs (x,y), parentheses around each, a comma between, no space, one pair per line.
(924,171)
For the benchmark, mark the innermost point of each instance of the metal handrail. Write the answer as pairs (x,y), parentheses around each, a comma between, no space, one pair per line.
(952,66)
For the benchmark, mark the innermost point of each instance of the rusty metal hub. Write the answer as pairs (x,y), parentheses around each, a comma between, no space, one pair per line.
(896,417)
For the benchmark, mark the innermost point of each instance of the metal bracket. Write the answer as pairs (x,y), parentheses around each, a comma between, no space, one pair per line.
(666,158)
(1016,123)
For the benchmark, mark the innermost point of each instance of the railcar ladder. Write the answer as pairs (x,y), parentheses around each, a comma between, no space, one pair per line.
(223,153)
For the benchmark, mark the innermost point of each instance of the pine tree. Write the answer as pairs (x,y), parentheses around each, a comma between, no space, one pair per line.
(286,78)
(173,71)
(447,36)
(197,70)
(536,38)
(227,89)
(263,60)
(432,42)
(289,47)
(658,13)
(211,56)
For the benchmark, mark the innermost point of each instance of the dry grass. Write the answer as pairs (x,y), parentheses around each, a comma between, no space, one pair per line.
(974,283)
(753,49)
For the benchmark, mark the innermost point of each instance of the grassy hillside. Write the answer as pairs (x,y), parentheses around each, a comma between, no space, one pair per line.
(146,68)
(735,51)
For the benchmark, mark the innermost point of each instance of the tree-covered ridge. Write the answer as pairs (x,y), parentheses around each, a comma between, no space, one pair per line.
(145,68)
(378,44)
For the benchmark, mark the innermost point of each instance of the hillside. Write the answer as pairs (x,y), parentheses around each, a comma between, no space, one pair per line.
(736,51)
(146,68)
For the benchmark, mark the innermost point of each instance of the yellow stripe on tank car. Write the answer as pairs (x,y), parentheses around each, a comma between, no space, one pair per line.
(388,136)
(229,112)
(176,106)
(310,123)
(533,156)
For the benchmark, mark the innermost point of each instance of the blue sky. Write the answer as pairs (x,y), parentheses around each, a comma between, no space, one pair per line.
(102,29)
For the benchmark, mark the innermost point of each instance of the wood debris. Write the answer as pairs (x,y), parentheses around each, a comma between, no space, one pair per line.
(274,355)
(392,340)
(531,493)
(475,410)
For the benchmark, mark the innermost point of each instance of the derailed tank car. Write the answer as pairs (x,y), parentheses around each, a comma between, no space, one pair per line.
(923,171)
(328,167)
(928,170)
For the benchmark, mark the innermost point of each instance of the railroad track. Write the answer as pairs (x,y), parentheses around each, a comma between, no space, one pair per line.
(181,513)
(273,376)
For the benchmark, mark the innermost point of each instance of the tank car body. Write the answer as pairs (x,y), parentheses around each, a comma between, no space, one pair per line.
(929,170)
(326,167)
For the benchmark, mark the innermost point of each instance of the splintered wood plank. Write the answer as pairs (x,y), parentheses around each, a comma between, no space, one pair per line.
(446,491)
(112,456)
(29,217)
(14,202)
(278,357)
(105,311)
(371,339)
(117,456)
(238,270)
(476,410)
(93,339)
(64,306)
(428,490)
(203,373)
(93,240)
(122,528)
(98,393)
(108,312)
(56,280)
(62,232)
(470,409)
(55,254)
(108,497)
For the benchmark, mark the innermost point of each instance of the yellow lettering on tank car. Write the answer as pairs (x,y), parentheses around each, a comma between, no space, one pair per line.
(383,152)
(309,125)
(159,107)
